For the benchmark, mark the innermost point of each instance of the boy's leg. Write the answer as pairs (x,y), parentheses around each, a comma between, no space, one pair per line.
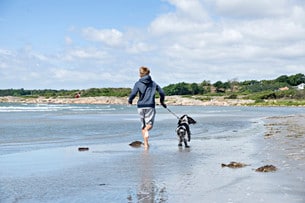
(146,135)
(147,119)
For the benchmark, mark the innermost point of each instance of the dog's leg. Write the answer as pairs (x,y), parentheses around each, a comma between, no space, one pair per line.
(180,142)
(180,136)
(188,131)
(185,144)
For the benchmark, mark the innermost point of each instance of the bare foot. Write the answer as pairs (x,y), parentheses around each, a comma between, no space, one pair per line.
(146,147)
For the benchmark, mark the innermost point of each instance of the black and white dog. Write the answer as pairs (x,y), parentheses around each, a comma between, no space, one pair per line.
(183,130)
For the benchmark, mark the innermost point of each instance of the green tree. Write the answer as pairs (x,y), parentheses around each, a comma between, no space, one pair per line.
(194,89)
(220,86)
(282,79)
(297,79)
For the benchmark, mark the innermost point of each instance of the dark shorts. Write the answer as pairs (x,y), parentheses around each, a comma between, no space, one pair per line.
(147,116)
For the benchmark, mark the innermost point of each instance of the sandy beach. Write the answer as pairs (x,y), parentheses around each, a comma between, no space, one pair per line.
(116,172)
(284,145)
(170,100)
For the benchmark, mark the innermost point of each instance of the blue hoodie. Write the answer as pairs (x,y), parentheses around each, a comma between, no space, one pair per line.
(147,89)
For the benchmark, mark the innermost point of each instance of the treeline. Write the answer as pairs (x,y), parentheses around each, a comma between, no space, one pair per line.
(262,89)
(249,89)
(92,92)
(248,86)
(95,92)
(45,92)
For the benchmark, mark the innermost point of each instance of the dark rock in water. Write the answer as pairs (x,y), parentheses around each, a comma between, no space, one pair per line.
(234,164)
(81,149)
(266,168)
(136,144)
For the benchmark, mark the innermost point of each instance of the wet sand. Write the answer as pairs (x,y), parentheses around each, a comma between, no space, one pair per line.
(284,145)
(165,172)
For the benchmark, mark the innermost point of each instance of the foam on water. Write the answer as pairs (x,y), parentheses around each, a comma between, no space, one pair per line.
(52,107)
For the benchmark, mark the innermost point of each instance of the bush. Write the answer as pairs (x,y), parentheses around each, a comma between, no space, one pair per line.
(232,96)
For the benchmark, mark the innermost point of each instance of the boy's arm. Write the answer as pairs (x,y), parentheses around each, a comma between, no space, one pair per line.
(133,94)
(162,96)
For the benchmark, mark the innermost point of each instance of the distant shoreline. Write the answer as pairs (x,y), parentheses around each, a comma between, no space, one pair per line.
(176,100)
(170,100)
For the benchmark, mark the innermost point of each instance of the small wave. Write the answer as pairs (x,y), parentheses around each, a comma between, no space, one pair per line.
(54,107)
(26,109)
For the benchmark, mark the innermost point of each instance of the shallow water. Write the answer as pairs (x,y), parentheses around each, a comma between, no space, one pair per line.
(25,127)
(40,162)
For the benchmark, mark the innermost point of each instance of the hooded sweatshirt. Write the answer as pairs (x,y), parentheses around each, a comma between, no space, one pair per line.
(146,88)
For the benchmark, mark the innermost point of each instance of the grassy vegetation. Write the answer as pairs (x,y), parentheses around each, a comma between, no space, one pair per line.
(284,102)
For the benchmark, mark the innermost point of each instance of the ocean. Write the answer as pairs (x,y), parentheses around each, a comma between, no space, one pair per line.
(25,127)
(40,161)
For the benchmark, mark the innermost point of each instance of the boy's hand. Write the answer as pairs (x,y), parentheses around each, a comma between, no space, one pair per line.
(164,105)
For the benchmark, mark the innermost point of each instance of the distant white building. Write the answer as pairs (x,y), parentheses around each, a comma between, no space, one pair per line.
(301,86)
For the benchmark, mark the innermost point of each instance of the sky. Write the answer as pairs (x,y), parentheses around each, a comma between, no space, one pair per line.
(81,44)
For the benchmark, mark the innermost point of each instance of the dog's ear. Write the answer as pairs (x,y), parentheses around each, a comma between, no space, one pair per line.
(191,120)
(179,121)
(183,119)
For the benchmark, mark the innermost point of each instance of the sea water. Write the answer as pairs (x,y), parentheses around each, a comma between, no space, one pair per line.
(25,127)
(39,160)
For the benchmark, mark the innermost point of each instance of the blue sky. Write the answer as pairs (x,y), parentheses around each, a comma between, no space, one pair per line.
(78,44)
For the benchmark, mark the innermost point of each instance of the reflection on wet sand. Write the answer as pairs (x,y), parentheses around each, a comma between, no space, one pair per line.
(148,189)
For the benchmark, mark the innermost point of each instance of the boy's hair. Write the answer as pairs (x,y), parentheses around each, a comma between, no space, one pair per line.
(144,71)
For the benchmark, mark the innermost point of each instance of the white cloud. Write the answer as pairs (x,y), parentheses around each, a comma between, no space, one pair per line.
(250,8)
(97,77)
(81,54)
(267,35)
(68,40)
(5,52)
(191,9)
(139,47)
(63,74)
(189,16)
(111,37)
